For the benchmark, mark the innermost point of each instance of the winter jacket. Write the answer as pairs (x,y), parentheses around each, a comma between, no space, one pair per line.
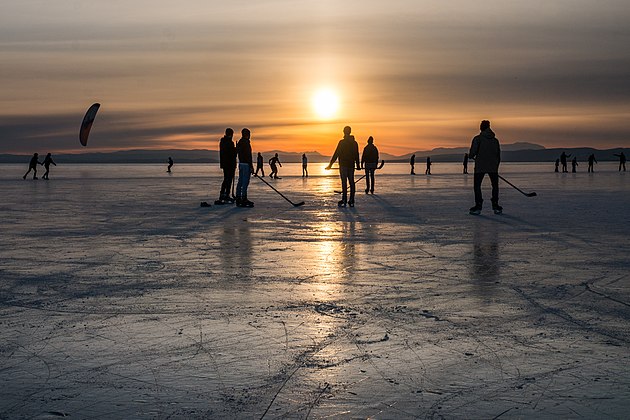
(486,151)
(33,163)
(370,154)
(348,153)
(227,153)
(244,151)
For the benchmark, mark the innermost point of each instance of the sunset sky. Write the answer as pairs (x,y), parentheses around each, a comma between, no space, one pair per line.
(414,74)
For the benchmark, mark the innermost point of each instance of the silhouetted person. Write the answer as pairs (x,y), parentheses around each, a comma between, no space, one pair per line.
(348,153)
(412,162)
(273,162)
(32,165)
(563,161)
(259,165)
(369,161)
(574,165)
(557,165)
(170,164)
(591,159)
(227,162)
(486,151)
(428,170)
(622,161)
(47,161)
(245,168)
(465,163)
(304,165)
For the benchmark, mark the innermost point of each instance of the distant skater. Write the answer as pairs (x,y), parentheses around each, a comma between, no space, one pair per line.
(486,151)
(622,161)
(32,165)
(259,165)
(563,161)
(170,165)
(369,161)
(304,165)
(273,162)
(348,153)
(245,168)
(227,162)
(574,165)
(591,159)
(47,161)
(412,162)
(465,163)
(557,165)
(428,170)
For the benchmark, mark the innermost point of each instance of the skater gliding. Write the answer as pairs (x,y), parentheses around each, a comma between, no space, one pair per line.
(32,165)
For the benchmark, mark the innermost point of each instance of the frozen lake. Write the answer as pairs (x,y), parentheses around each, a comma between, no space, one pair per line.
(121,298)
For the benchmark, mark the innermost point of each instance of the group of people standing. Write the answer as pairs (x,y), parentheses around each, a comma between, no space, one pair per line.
(347,152)
(562,160)
(228,154)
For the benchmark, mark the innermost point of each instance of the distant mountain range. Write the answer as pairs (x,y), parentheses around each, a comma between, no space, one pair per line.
(514,152)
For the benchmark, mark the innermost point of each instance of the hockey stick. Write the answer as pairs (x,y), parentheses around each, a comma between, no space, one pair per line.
(531,194)
(301,203)
(355,182)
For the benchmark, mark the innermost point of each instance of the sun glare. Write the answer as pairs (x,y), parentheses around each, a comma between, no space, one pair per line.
(325,103)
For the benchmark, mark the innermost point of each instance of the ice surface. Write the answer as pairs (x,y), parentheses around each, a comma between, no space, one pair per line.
(121,298)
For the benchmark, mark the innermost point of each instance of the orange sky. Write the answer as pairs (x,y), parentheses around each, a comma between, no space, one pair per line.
(415,75)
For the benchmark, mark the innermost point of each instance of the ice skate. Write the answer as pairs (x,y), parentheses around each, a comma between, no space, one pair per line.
(476,210)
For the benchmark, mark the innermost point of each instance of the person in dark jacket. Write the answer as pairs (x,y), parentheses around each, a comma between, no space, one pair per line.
(465,163)
(227,162)
(428,170)
(574,164)
(273,163)
(259,165)
(412,162)
(486,151)
(563,161)
(369,161)
(557,165)
(32,166)
(170,165)
(622,161)
(245,168)
(304,166)
(348,153)
(591,159)
(47,161)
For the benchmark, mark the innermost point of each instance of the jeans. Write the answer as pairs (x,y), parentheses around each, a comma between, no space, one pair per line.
(244,172)
(347,176)
(494,179)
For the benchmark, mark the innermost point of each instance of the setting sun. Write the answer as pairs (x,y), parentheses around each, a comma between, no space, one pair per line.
(325,103)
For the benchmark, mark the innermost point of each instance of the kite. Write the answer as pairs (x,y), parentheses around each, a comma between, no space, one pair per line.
(86,125)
